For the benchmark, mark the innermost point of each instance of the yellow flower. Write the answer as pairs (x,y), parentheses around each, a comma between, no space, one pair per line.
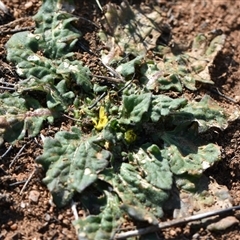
(130,136)
(102,121)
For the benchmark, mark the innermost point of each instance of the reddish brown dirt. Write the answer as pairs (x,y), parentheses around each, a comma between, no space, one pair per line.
(22,217)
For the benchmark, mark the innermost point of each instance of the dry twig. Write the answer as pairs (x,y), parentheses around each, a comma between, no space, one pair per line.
(110,79)
(8,150)
(26,183)
(173,223)
(98,100)
(216,90)
(19,152)
(17,183)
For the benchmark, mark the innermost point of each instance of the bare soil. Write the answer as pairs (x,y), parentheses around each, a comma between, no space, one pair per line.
(26,210)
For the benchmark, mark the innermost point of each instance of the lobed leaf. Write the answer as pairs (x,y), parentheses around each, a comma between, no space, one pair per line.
(103,225)
(185,151)
(163,105)
(55,32)
(188,67)
(153,167)
(155,78)
(207,114)
(129,68)
(72,164)
(43,59)
(22,48)
(19,116)
(134,107)
(141,199)
(194,163)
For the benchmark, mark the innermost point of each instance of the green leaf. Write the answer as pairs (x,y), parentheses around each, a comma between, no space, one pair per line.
(55,32)
(128,68)
(194,163)
(75,70)
(141,199)
(156,79)
(41,58)
(188,67)
(41,70)
(103,225)
(207,114)
(163,105)
(153,166)
(135,107)
(16,118)
(58,97)
(72,164)
(21,51)
(185,152)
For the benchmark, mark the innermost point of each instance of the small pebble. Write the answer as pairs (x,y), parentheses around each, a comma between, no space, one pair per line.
(223,224)
(69,213)
(28,5)
(34,196)
(178,230)
(14,227)
(60,217)
(52,226)
(10,223)
(237,99)
(172,232)
(66,222)
(22,204)
(65,231)
(195,236)
(47,217)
